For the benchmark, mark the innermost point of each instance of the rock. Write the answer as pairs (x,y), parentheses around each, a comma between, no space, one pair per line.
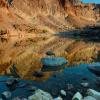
(85,84)
(40,95)
(95,69)
(53,63)
(58,98)
(32,88)
(14,71)
(63,93)
(89,98)
(93,93)
(16,98)
(12,83)
(50,53)
(77,96)
(38,74)
(70,86)
(24,99)
(6,95)
(84,78)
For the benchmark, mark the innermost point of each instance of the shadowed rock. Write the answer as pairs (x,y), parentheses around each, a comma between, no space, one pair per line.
(95,69)
(50,53)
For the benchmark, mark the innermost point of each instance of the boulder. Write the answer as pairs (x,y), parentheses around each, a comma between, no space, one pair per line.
(40,95)
(93,93)
(53,63)
(77,96)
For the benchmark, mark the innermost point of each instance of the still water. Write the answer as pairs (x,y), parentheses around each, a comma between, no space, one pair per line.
(73,75)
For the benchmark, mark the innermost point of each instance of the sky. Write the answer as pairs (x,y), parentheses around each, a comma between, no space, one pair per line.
(93,1)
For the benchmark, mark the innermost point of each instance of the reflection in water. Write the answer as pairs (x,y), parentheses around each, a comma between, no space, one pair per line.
(4,39)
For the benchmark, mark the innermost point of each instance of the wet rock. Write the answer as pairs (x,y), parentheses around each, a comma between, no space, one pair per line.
(24,99)
(95,69)
(54,61)
(70,86)
(77,96)
(85,79)
(16,98)
(58,98)
(6,95)
(89,98)
(14,71)
(38,74)
(93,93)
(32,88)
(12,84)
(85,85)
(50,53)
(63,93)
(40,95)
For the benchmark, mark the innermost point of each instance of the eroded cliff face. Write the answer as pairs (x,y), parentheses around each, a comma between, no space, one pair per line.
(68,13)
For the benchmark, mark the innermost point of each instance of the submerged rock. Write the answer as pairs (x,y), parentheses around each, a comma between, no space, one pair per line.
(53,63)
(40,95)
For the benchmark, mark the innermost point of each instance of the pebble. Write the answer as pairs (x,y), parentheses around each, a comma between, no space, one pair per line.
(63,93)
(70,86)
(85,85)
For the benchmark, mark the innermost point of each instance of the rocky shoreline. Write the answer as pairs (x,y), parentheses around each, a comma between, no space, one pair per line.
(70,84)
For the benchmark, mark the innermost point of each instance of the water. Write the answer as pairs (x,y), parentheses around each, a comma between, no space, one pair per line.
(58,81)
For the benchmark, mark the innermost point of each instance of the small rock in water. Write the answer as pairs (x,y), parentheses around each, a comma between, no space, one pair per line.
(40,95)
(16,98)
(24,99)
(6,95)
(84,78)
(58,98)
(32,88)
(38,74)
(77,96)
(63,93)
(85,84)
(93,93)
(12,82)
(50,53)
(70,86)
(89,98)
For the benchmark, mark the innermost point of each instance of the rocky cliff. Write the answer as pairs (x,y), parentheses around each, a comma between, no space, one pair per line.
(54,13)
